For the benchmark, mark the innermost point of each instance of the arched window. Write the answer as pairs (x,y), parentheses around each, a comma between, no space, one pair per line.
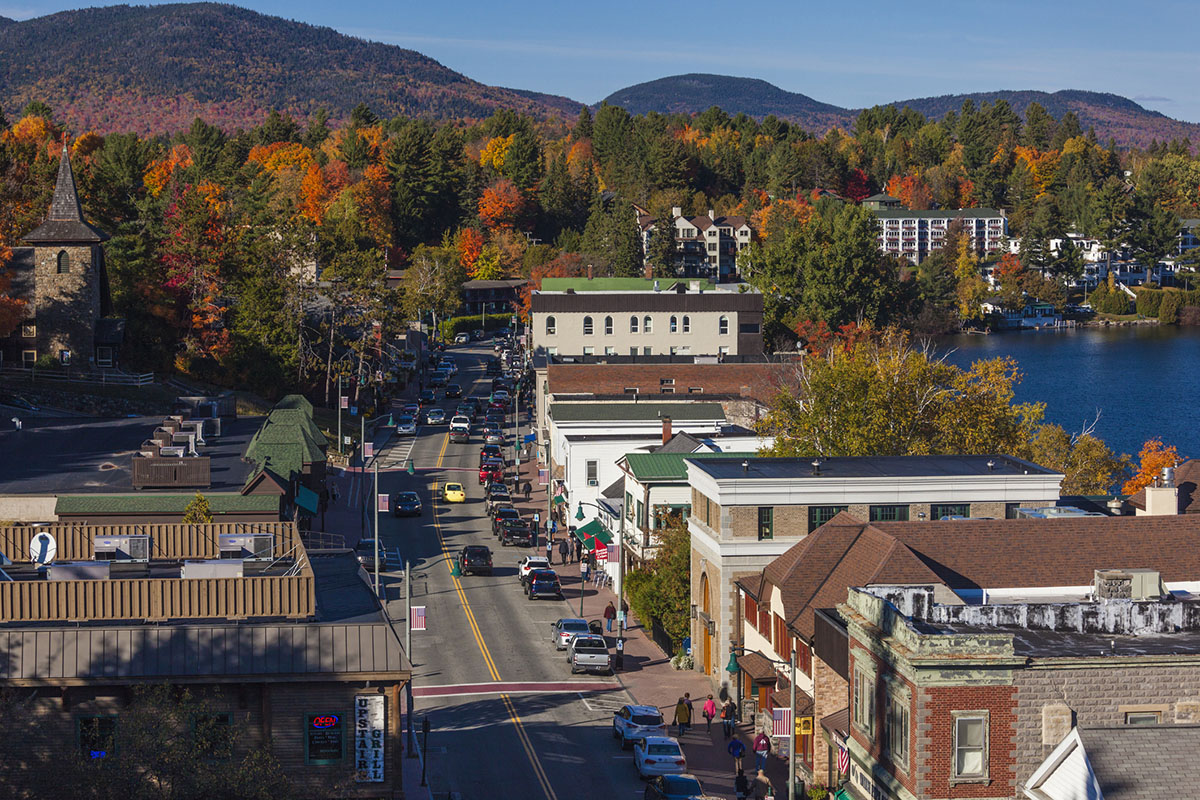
(674,325)
(687,324)
(633,325)
(587,326)
(64,262)
(608,326)
(550,327)
(646,325)
(723,326)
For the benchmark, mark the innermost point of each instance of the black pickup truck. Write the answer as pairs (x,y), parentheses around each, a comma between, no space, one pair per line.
(514,532)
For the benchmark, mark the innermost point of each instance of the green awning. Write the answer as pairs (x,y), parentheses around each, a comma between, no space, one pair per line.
(559,499)
(588,534)
(307,499)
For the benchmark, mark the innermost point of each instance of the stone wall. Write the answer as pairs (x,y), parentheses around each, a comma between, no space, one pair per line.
(830,695)
(67,304)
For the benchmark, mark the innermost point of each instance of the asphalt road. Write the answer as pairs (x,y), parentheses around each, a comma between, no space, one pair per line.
(508,719)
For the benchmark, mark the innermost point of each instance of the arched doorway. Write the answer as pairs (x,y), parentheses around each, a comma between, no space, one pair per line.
(705,636)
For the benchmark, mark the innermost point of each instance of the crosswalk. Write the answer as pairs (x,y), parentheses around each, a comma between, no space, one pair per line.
(395,454)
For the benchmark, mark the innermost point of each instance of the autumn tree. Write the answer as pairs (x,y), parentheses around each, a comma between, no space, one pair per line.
(971,289)
(1152,459)
(197,511)
(501,205)
(431,282)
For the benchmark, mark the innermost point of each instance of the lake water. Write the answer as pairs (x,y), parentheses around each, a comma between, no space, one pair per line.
(1143,380)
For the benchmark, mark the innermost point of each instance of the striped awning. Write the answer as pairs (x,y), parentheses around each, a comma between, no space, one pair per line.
(588,534)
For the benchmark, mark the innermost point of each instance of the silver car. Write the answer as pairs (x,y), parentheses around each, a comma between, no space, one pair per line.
(658,755)
(406,426)
(565,628)
(435,416)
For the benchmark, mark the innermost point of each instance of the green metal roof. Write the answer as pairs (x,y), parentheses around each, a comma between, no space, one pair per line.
(607,284)
(288,439)
(219,502)
(670,466)
(585,412)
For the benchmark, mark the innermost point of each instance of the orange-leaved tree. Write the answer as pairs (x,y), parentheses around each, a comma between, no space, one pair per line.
(501,205)
(1152,458)
(12,309)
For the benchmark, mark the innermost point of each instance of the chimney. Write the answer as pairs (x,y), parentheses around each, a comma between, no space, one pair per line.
(590,272)
(1162,499)
(676,211)
(711,215)
(648,272)
(666,429)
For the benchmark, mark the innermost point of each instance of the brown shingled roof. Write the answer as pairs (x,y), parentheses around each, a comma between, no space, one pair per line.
(1187,476)
(757,666)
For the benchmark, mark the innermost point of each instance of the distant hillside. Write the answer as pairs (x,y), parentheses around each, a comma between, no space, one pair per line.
(153,69)
(1112,116)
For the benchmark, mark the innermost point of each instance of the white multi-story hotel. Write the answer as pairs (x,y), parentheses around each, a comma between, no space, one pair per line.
(915,234)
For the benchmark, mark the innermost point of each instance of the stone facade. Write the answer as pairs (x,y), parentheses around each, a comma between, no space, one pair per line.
(830,693)
(66,303)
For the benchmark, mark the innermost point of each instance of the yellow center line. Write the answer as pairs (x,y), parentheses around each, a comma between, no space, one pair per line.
(529,751)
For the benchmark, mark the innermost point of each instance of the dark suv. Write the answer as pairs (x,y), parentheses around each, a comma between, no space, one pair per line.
(543,583)
(475,559)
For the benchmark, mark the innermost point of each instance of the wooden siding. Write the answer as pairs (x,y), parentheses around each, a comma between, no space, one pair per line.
(170,542)
(157,599)
(171,472)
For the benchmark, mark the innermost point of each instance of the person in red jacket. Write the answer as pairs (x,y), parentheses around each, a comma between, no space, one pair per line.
(762,749)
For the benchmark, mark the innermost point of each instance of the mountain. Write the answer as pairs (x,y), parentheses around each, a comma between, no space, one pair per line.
(152,69)
(1111,115)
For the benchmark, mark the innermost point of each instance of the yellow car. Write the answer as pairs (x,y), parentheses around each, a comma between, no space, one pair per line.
(454,493)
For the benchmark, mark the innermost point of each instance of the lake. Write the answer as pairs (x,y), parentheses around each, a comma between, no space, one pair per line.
(1144,380)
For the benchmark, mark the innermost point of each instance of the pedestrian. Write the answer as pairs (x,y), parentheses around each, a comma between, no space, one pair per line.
(737,750)
(727,714)
(563,547)
(709,711)
(762,749)
(682,716)
(687,701)
(741,784)
(528,491)
(762,787)
(610,613)
(576,550)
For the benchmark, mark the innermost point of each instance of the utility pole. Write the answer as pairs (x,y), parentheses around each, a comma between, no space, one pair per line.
(792,749)
(339,442)
(375,466)
(408,613)
(362,449)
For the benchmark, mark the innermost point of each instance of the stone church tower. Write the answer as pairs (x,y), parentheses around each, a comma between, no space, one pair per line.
(69,291)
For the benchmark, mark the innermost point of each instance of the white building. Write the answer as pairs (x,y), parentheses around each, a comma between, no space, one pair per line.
(706,246)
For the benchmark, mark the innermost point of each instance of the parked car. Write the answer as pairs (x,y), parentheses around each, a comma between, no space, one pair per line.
(490,471)
(426,398)
(503,512)
(453,390)
(492,434)
(565,628)
(435,416)
(475,559)
(493,366)
(530,563)
(454,493)
(478,334)
(490,452)
(406,426)
(673,787)
(588,653)
(658,755)
(365,550)
(634,723)
(406,504)
(461,338)
(515,532)
(497,497)
(543,583)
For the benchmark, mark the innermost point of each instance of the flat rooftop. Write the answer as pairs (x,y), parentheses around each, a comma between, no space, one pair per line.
(867,467)
(635,412)
(69,456)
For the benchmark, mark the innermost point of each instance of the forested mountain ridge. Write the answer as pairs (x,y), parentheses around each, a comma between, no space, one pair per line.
(1113,116)
(153,69)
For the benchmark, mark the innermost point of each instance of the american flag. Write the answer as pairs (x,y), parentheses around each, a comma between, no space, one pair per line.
(369,449)
(418,618)
(383,502)
(781,722)
(843,761)
(345,402)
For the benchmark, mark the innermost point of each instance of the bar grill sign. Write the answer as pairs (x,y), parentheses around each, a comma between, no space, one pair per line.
(368,738)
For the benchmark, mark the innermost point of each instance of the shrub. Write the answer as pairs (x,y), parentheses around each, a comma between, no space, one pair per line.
(1148,301)
(48,362)
(456,325)
(1168,309)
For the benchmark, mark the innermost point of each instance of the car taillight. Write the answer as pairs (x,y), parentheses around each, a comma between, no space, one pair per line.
(651,761)
(681,762)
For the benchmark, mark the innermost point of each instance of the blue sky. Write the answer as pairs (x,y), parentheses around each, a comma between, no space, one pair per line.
(848,53)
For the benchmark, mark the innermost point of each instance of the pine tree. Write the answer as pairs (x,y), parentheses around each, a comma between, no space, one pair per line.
(197,511)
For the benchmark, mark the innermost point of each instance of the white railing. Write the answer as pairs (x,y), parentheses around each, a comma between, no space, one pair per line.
(68,375)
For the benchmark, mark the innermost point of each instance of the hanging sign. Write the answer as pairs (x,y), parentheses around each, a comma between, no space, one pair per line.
(368,738)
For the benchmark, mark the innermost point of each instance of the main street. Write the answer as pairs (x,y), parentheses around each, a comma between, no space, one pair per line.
(507,718)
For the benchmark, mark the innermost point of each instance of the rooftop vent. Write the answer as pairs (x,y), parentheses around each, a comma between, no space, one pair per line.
(1128,584)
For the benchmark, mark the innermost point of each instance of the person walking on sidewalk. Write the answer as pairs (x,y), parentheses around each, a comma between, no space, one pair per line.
(576,550)
(528,491)
(610,613)
(741,784)
(762,787)
(709,711)
(737,750)
(682,717)
(562,550)
(727,713)
(762,749)
(687,701)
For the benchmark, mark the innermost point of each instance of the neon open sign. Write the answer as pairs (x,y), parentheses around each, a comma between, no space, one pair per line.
(326,721)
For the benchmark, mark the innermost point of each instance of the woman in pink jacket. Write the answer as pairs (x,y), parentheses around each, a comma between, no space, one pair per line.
(710,711)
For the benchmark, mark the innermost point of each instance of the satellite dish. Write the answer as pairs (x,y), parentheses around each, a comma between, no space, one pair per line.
(43,548)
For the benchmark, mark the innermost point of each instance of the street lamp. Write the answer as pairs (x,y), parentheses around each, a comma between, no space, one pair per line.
(733,667)
(620,585)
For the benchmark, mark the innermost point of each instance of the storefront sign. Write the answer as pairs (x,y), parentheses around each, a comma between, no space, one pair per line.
(866,784)
(368,738)
(323,742)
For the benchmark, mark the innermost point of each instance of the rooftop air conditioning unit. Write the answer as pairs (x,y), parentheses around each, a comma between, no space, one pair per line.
(128,547)
(1128,584)
(78,571)
(176,452)
(248,546)
(221,568)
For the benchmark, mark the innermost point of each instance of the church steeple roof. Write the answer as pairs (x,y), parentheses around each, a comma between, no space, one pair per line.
(65,224)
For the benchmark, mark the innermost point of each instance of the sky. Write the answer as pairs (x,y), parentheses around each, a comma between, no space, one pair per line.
(851,54)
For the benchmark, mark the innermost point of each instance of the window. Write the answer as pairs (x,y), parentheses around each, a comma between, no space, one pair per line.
(712,247)
(723,351)
(324,739)
(587,326)
(550,327)
(593,472)
(887,514)
(633,351)
(667,390)
(1143,717)
(896,722)
(781,638)
(633,325)
(104,356)
(864,702)
(687,324)
(64,262)
(641,514)
(751,610)
(723,326)
(212,735)
(666,381)
(589,351)
(631,390)
(610,351)
(1010,510)
(674,324)
(766,522)
(608,326)
(804,658)
(64,357)
(28,330)
(647,325)
(29,357)
(629,500)
(748,327)
(97,736)
(695,390)
(938,511)
(553,351)
(970,745)
(647,351)
(819,515)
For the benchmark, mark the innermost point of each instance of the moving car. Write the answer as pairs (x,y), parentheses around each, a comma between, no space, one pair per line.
(438,378)
(460,435)
(633,723)
(461,338)
(490,452)
(492,433)
(412,409)
(530,563)
(406,426)
(454,493)
(435,416)
(453,390)
(478,335)
(490,471)
(16,401)
(365,550)
(502,395)
(658,755)
(426,398)
(543,583)
(493,366)
(515,532)
(475,559)
(567,627)
(588,653)
(673,787)
(460,421)
(406,504)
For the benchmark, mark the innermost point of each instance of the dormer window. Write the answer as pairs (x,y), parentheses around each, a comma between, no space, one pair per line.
(64,262)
